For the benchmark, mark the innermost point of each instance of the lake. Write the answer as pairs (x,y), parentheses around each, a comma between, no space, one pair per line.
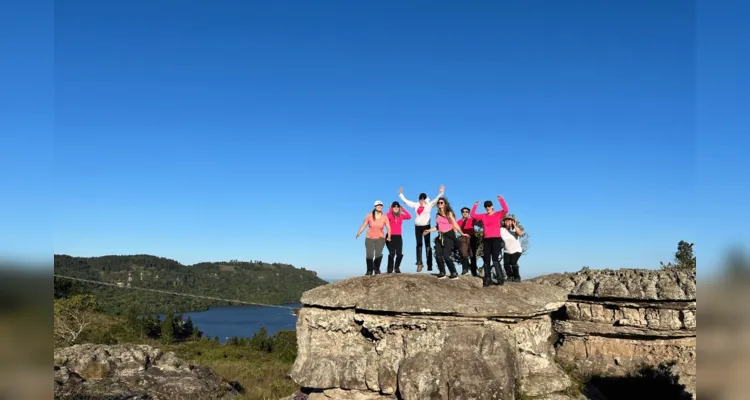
(243,321)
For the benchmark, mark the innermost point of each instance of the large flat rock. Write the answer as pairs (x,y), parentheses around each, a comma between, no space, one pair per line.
(425,294)
(626,284)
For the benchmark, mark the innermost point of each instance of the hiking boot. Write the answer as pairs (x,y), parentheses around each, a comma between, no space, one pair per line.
(454,276)
(376,265)
(398,263)
(369,267)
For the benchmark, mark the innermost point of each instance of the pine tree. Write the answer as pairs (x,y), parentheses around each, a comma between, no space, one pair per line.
(167,328)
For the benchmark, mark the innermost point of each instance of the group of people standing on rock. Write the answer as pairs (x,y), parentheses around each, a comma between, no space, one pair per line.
(501,232)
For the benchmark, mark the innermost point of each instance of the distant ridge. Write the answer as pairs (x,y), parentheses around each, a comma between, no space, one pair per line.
(253,281)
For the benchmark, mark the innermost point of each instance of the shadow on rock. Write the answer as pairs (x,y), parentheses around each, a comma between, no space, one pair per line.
(647,383)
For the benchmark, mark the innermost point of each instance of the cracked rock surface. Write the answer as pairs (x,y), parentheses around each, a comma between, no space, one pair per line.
(618,320)
(120,372)
(412,336)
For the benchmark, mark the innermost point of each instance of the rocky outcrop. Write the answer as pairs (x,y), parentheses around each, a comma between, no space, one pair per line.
(616,321)
(133,372)
(412,336)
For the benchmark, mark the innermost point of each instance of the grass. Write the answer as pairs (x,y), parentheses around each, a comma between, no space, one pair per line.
(260,364)
(262,375)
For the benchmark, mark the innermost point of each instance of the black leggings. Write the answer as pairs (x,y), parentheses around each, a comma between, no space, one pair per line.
(510,263)
(423,239)
(444,250)
(491,248)
(511,259)
(395,254)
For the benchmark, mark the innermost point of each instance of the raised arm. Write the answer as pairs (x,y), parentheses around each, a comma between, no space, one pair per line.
(504,205)
(407,202)
(435,200)
(405,214)
(474,214)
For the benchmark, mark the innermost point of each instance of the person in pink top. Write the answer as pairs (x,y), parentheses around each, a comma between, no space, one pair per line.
(492,244)
(396,217)
(376,238)
(448,238)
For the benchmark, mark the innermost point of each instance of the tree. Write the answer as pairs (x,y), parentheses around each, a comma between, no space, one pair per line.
(72,316)
(167,328)
(683,258)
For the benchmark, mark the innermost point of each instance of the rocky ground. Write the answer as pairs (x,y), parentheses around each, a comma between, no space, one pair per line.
(411,336)
(120,372)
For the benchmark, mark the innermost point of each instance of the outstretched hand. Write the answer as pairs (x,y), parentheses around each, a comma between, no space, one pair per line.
(401,190)
(442,188)
(357,237)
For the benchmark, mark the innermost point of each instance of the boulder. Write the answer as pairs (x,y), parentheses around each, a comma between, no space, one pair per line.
(412,336)
(618,321)
(133,372)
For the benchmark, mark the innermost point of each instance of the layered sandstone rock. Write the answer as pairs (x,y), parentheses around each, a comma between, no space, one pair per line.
(616,321)
(133,372)
(412,336)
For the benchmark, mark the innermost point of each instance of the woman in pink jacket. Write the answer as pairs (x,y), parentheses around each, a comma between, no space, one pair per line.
(396,216)
(492,244)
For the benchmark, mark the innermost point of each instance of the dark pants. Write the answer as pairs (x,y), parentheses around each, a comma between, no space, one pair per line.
(444,246)
(395,253)
(492,248)
(423,240)
(510,263)
(469,254)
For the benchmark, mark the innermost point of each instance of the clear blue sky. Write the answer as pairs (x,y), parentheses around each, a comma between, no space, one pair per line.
(204,131)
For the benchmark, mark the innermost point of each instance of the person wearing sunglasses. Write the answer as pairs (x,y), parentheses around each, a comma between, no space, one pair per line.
(492,244)
(448,234)
(422,223)
(511,233)
(469,243)
(375,238)
(396,217)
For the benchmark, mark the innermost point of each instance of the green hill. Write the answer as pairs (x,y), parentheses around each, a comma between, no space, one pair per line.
(247,281)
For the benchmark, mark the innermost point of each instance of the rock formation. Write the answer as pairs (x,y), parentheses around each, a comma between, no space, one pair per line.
(132,372)
(616,321)
(412,336)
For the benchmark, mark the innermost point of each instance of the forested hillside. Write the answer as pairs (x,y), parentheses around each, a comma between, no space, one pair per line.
(247,281)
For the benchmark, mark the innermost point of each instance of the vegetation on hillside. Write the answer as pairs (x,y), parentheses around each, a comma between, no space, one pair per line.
(255,281)
(260,364)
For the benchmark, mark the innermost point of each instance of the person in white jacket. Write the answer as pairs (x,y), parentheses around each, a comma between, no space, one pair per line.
(422,210)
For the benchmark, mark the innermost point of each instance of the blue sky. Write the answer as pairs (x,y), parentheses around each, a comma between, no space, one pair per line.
(204,131)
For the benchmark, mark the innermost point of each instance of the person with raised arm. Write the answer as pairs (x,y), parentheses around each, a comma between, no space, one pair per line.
(396,216)
(448,238)
(511,232)
(493,242)
(423,208)
(469,243)
(375,238)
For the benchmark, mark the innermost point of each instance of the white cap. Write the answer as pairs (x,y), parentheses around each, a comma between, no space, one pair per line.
(378,203)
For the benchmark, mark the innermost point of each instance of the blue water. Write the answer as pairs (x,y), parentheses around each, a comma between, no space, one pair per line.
(243,321)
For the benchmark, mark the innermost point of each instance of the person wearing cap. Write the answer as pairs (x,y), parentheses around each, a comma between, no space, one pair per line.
(469,243)
(492,244)
(511,232)
(375,238)
(423,208)
(396,216)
